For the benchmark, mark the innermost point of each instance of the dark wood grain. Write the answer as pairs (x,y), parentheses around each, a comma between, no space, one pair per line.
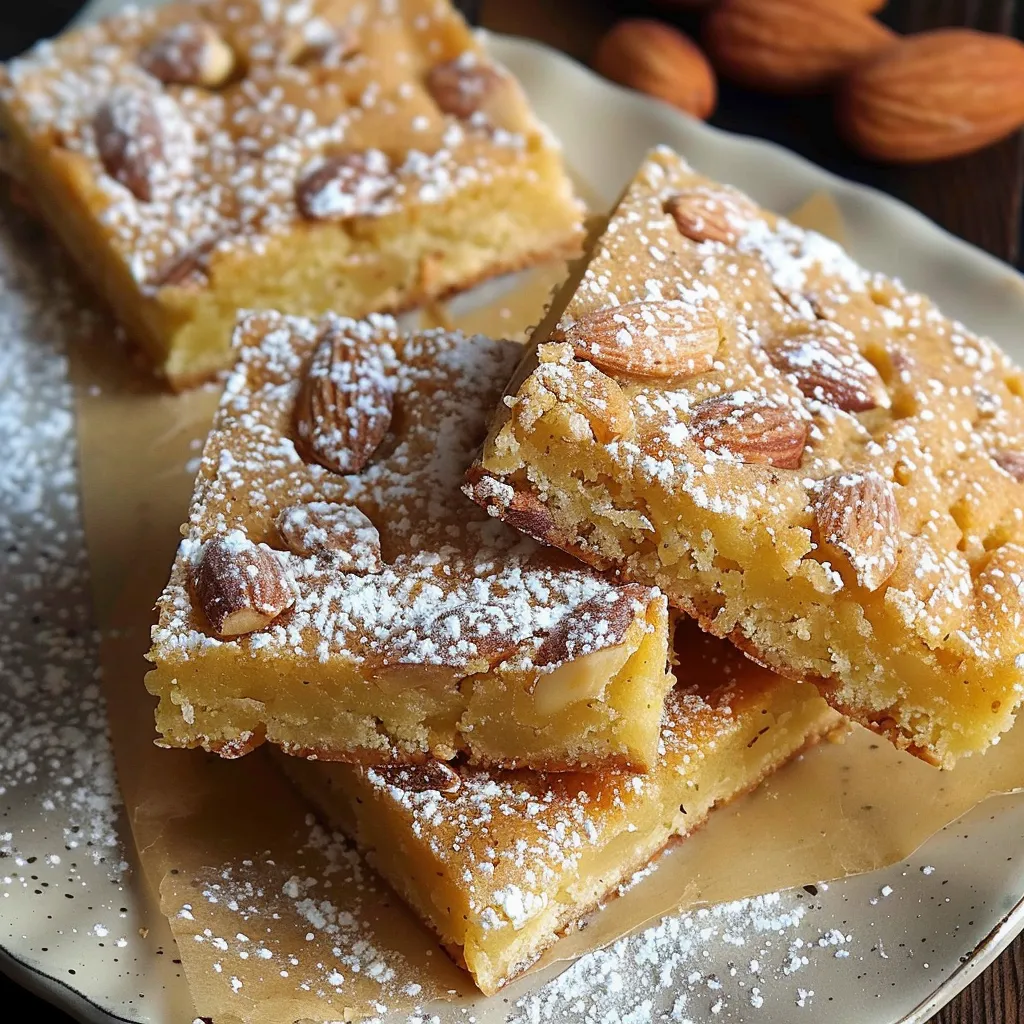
(977,197)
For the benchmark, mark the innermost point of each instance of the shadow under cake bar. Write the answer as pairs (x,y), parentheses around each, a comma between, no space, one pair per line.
(499,864)
(307,155)
(337,594)
(807,457)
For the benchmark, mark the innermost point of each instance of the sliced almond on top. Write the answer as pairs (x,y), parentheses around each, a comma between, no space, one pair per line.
(461,87)
(751,428)
(144,142)
(190,53)
(420,778)
(705,214)
(1011,461)
(341,533)
(830,370)
(345,185)
(344,404)
(241,586)
(653,340)
(592,626)
(857,514)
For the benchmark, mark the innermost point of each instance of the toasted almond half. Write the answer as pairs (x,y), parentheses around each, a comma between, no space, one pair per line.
(751,428)
(830,370)
(345,402)
(241,586)
(857,514)
(705,214)
(341,533)
(652,340)
(189,53)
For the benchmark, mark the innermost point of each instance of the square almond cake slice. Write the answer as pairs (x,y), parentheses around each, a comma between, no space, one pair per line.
(499,864)
(337,595)
(306,156)
(807,457)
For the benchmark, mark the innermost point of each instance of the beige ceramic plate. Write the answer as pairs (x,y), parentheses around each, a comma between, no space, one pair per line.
(74,925)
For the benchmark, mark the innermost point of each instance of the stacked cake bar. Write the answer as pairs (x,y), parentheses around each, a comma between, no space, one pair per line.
(451,601)
(337,595)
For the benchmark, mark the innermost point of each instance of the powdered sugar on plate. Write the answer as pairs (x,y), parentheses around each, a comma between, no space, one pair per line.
(69,907)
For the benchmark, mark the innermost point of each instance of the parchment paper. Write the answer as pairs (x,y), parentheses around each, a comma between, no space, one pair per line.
(273,916)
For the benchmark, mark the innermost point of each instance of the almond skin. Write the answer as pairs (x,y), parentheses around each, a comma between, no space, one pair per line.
(706,214)
(594,625)
(189,53)
(345,185)
(1011,461)
(829,370)
(935,95)
(344,404)
(656,59)
(339,534)
(754,431)
(144,142)
(461,89)
(240,586)
(648,340)
(790,46)
(857,514)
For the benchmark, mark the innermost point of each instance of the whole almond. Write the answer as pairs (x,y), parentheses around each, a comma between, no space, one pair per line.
(830,370)
(705,214)
(790,46)
(935,95)
(651,340)
(657,59)
(345,185)
(857,514)
(420,778)
(190,53)
(342,534)
(240,586)
(344,404)
(1011,461)
(593,625)
(461,88)
(144,142)
(752,429)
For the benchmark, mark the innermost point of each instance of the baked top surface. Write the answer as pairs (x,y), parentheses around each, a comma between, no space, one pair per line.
(432,580)
(837,433)
(317,110)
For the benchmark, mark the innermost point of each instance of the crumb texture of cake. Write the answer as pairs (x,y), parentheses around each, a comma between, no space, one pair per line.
(500,864)
(336,594)
(832,477)
(307,155)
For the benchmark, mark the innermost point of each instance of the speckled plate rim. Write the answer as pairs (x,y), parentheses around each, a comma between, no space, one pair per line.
(990,295)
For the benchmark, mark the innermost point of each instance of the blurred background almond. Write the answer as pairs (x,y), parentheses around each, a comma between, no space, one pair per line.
(659,60)
(935,95)
(791,46)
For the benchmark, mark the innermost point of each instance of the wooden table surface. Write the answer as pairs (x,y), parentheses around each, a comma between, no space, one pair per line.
(978,197)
